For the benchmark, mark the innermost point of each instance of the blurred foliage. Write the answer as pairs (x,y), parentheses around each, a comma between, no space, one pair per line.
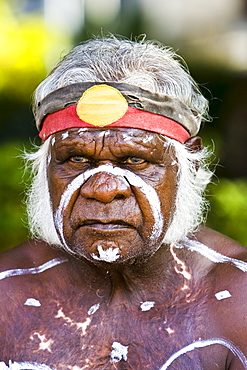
(228,212)
(12,215)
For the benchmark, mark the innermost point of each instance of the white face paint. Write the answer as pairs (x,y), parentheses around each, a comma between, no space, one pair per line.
(53,140)
(64,135)
(119,352)
(146,306)
(132,179)
(223,295)
(204,343)
(32,302)
(108,255)
(32,270)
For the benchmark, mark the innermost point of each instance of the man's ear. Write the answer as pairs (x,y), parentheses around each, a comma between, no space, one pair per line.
(194,144)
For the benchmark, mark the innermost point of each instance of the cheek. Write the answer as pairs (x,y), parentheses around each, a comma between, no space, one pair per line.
(167,195)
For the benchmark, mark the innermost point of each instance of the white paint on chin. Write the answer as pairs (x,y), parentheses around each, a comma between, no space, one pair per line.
(108,255)
(205,343)
(126,176)
(119,352)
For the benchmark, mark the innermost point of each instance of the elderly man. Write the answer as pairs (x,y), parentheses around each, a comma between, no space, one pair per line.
(119,273)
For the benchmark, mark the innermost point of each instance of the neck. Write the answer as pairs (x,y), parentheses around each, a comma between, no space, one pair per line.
(159,276)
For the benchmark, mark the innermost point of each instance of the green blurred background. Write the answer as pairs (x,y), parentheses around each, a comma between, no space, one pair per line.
(210,35)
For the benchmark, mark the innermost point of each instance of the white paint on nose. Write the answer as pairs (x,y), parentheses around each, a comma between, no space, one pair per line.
(132,179)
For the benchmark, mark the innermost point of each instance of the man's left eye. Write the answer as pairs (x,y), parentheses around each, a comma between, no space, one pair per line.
(134,160)
(78,159)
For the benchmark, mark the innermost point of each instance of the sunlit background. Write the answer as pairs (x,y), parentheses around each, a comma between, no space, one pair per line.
(210,35)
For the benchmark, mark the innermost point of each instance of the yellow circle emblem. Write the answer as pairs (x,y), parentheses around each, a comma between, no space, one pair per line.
(101,105)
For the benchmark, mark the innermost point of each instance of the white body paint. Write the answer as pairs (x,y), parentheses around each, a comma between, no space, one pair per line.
(32,302)
(93,309)
(146,306)
(216,257)
(108,255)
(183,268)
(24,366)
(119,352)
(223,295)
(132,179)
(77,325)
(204,343)
(45,344)
(32,270)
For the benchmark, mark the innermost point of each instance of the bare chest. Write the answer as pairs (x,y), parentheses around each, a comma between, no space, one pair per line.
(98,336)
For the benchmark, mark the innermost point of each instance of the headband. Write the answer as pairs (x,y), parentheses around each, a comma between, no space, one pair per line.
(89,104)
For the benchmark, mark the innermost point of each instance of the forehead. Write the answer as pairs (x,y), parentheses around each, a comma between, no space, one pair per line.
(112,137)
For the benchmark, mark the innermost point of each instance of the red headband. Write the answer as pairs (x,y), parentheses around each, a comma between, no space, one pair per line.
(68,118)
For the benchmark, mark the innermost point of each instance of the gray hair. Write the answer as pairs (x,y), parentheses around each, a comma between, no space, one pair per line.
(146,64)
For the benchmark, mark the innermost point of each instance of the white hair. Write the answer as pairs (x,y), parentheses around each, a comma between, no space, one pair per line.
(193,177)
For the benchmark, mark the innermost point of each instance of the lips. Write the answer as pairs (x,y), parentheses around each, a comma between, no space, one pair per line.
(107,226)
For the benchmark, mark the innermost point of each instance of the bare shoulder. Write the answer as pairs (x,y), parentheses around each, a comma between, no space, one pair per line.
(228,276)
(20,263)
(220,243)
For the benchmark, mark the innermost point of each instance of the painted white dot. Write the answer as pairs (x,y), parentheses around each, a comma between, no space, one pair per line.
(93,309)
(146,306)
(223,295)
(119,352)
(32,302)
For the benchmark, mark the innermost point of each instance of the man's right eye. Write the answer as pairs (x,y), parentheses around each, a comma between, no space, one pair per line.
(79,159)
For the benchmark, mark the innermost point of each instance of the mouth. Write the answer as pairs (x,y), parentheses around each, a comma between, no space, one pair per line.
(107,226)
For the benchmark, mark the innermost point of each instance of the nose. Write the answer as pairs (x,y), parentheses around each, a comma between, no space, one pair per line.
(105,187)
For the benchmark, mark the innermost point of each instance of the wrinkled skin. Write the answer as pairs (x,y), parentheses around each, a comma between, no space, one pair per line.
(84,307)
(114,211)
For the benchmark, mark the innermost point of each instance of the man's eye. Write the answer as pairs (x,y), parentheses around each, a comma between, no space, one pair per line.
(79,159)
(134,160)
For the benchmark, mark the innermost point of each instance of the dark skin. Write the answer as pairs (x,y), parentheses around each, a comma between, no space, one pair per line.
(88,304)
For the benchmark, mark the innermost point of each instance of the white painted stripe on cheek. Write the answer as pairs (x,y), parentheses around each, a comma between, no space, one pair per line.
(204,343)
(32,270)
(133,179)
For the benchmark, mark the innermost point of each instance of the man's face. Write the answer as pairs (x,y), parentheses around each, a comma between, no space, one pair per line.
(112,192)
